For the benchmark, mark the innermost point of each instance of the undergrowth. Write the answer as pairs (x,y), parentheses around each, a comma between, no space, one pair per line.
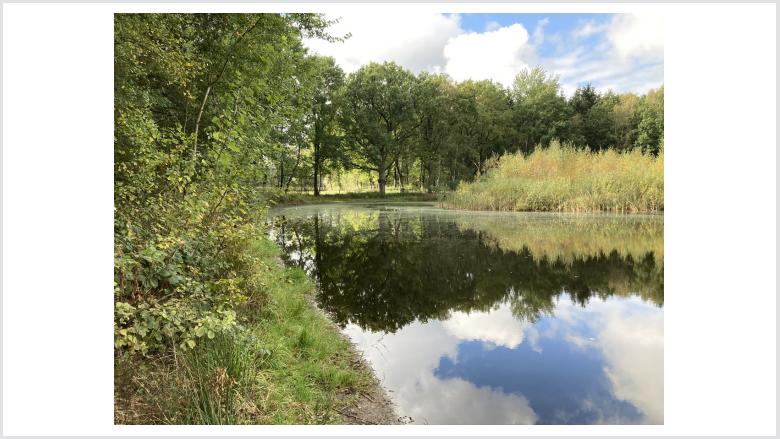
(282,364)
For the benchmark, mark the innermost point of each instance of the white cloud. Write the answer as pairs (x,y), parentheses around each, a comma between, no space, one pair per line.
(633,347)
(412,40)
(405,362)
(630,336)
(498,327)
(538,37)
(492,25)
(638,37)
(588,29)
(498,55)
(627,55)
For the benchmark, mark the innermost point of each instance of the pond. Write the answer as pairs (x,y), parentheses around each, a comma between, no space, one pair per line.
(489,317)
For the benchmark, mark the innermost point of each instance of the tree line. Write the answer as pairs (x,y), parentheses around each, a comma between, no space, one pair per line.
(423,130)
(391,121)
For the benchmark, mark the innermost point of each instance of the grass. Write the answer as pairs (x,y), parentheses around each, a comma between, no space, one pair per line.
(563,179)
(287,365)
(299,198)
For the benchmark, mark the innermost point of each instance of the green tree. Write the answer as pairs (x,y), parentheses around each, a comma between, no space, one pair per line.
(378,117)
(650,128)
(481,125)
(539,109)
(328,82)
(600,123)
(625,123)
(433,102)
(201,102)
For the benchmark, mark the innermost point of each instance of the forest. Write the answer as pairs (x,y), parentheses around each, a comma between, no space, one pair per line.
(218,115)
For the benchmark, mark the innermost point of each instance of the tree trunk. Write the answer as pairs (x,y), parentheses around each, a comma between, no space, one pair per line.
(399,175)
(430,176)
(197,124)
(281,168)
(382,177)
(316,169)
(295,168)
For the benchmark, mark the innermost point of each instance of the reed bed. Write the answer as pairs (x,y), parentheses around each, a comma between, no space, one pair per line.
(561,178)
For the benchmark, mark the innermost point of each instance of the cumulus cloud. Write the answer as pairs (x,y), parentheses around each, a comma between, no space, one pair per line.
(405,362)
(623,53)
(498,54)
(626,333)
(637,36)
(633,347)
(498,327)
(412,40)
(630,336)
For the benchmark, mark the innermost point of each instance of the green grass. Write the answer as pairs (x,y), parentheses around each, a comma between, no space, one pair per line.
(286,365)
(564,179)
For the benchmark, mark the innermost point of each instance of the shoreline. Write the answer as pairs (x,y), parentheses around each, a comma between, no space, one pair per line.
(296,368)
(374,406)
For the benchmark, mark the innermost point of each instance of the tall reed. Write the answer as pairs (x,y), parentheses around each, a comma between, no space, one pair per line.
(561,178)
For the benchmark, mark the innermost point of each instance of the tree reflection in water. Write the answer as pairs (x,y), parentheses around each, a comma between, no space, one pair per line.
(383,268)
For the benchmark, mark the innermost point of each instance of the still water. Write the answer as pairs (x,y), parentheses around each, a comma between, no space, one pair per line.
(493,318)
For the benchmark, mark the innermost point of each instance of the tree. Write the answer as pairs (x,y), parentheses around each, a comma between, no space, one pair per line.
(539,109)
(328,81)
(378,117)
(203,104)
(600,123)
(625,121)
(481,124)
(433,96)
(650,128)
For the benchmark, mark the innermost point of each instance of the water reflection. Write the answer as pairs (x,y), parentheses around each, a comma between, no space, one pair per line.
(494,318)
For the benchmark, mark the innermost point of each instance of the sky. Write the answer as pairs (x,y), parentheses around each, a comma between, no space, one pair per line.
(619,52)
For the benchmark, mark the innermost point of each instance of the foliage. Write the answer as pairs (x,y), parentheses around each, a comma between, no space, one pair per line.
(202,102)
(289,366)
(650,128)
(378,116)
(540,111)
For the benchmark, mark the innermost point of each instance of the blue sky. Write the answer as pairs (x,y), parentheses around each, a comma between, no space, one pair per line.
(618,52)
(553,24)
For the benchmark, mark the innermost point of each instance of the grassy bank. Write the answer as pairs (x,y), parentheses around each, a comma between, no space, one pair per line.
(563,179)
(285,363)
